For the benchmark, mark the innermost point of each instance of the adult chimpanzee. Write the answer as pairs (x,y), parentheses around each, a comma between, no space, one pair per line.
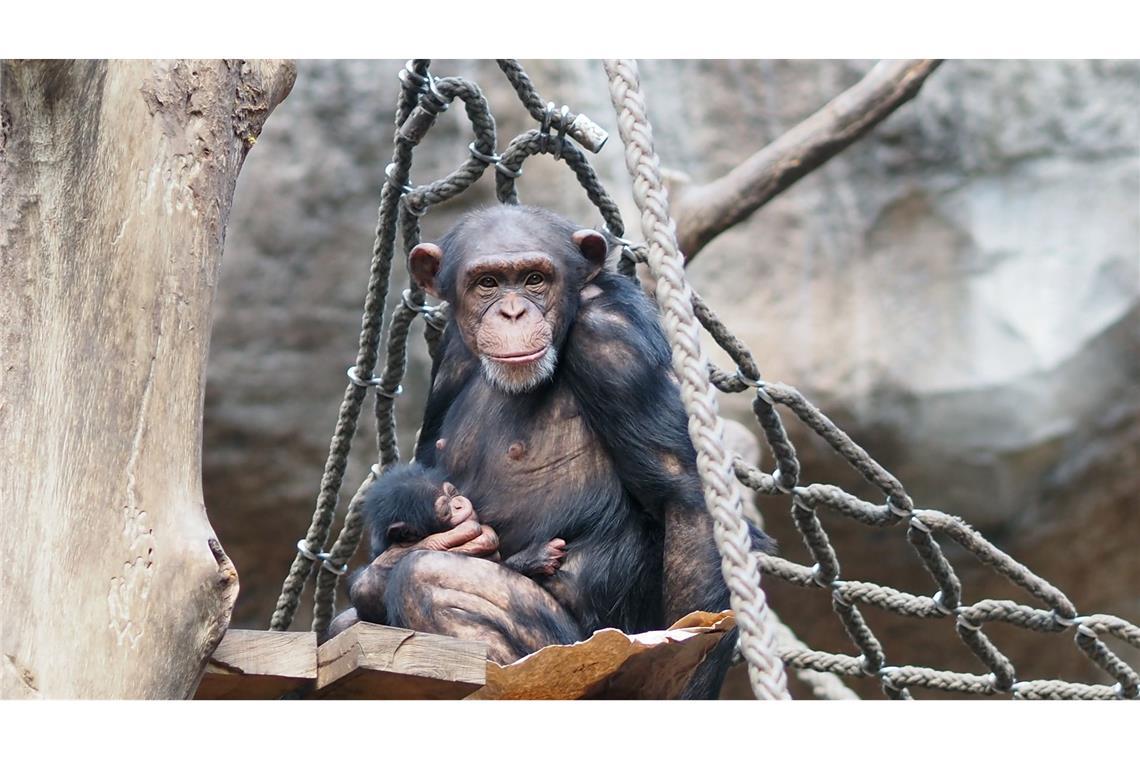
(554,412)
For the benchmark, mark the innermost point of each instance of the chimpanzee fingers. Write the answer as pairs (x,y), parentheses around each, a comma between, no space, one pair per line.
(460,535)
(484,545)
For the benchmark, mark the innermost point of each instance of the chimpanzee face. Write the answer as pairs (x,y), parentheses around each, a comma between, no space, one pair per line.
(513,288)
(510,312)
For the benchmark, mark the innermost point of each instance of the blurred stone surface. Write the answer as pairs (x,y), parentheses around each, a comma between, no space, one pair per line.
(960,291)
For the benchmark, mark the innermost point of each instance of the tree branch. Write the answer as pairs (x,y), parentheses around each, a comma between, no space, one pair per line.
(704,211)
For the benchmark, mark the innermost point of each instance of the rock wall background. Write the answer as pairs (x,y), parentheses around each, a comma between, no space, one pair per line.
(960,291)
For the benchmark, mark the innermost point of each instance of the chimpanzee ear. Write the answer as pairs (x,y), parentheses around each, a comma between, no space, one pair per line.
(424,262)
(400,533)
(594,247)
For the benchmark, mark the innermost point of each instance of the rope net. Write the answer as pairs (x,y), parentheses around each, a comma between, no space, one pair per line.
(766,644)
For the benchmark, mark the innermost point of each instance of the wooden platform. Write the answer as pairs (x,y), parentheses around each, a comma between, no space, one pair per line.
(367,661)
(260,665)
(364,662)
(378,662)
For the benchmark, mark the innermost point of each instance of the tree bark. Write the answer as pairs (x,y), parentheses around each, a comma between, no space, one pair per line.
(117,179)
(704,211)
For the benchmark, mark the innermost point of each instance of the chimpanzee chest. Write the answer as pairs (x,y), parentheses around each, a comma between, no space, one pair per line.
(526,462)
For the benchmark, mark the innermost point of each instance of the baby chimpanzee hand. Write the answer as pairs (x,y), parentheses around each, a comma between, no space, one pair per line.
(544,559)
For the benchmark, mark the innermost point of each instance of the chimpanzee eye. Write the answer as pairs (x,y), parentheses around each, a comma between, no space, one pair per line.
(487,282)
(535,279)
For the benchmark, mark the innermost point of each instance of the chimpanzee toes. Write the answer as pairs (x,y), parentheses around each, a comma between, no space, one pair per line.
(555,553)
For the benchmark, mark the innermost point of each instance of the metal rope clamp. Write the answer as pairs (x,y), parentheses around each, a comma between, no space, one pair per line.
(433,100)
(322,557)
(409,72)
(778,478)
(373,382)
(896,510)
(938,605)
(401,189)
(507,171)
(355,378)
(563,125)
(430,104)
(390,394)
(628,247)
(487,158)
(426,310)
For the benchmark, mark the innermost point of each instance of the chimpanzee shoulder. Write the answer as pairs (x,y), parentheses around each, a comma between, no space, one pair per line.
(617,328)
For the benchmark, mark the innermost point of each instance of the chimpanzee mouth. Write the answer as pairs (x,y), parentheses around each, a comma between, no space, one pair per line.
(521,358)
(519,373)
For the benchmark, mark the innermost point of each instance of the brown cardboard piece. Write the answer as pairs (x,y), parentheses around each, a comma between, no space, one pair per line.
(611,664)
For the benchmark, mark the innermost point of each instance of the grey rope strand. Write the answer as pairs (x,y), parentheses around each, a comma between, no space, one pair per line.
(371,323)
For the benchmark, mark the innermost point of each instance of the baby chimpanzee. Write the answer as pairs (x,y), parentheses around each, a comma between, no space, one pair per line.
(416,502)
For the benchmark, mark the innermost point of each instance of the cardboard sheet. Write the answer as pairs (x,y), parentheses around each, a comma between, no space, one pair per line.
(611,664)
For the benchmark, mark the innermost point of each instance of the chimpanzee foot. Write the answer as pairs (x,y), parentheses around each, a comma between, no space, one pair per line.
(555,552)
(540,560)
(453,508)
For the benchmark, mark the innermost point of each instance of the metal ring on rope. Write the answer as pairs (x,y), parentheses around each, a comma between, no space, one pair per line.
(627,246)
(408,72)
(777,476)
(333,568)
(433,100)
(897,510)
(493,158)
(763,394)
(757,383)
(506,171)
(393,394)
(305,552)
(406,297)
(322,557)
(402,189)
(355,378)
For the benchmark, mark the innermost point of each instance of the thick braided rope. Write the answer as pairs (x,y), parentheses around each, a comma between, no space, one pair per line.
(740,568)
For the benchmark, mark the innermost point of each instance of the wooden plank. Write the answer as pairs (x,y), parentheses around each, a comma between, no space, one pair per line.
(260,665)
(370,661)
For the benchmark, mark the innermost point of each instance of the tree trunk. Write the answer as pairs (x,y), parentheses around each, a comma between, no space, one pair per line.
(117,180)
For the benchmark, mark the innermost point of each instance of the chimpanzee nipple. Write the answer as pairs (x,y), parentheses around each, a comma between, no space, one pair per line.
(440,444)
(516,450)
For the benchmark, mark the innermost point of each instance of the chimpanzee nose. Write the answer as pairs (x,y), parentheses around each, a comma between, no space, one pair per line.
(512,308)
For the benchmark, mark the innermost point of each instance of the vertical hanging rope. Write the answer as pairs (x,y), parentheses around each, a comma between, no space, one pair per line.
(309,548)
(739,565)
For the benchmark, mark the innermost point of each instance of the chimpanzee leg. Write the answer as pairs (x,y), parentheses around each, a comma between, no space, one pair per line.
(472,598)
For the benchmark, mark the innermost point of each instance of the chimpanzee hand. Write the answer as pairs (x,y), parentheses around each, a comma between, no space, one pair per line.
(367,587)
(452,508)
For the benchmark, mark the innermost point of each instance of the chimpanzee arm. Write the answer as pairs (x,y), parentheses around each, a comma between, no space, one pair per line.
(620,365)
